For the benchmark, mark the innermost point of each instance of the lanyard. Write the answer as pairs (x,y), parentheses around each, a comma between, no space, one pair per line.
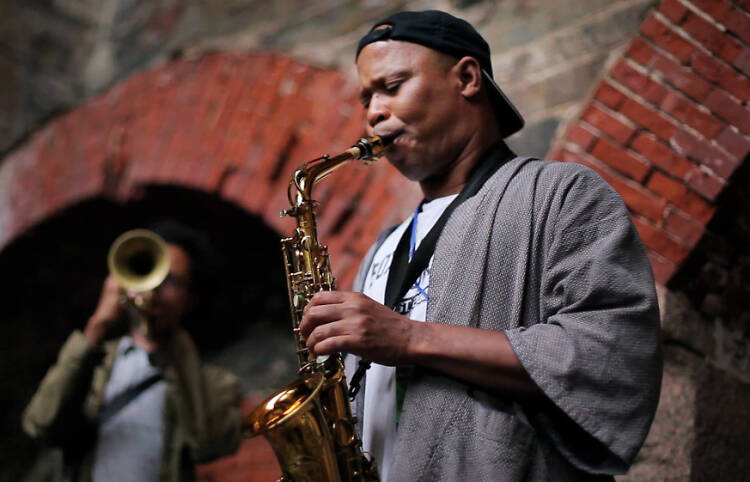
(412,244)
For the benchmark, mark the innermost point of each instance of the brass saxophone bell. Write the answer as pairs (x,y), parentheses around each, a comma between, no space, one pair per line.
(293,423)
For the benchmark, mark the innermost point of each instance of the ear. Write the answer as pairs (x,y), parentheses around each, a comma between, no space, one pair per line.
(469,75)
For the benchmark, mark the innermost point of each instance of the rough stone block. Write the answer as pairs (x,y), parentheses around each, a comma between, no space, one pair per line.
(535,138)
(722,424)
(701,425)
(666,453)
(682,323)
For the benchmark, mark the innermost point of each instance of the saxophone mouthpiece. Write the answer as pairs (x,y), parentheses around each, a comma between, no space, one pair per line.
(369,148)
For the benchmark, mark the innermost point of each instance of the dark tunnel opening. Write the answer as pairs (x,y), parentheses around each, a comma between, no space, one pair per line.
(52,276)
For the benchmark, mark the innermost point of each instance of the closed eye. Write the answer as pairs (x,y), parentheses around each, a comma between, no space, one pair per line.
(392,87)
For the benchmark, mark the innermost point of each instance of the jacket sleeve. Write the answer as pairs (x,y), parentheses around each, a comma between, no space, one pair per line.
(596,350)
(223,425)
(55,412)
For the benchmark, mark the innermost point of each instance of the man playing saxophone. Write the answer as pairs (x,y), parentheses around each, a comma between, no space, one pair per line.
(512,321)
(129,398)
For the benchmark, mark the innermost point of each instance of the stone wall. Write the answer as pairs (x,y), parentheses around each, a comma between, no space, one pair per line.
(58,53)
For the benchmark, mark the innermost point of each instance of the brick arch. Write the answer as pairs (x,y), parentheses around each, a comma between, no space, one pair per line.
(667,127)
(231,124)
(669,123)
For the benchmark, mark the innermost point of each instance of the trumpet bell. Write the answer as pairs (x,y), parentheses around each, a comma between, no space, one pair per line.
(139,260)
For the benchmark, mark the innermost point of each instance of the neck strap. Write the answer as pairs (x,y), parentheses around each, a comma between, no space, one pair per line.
(403,273)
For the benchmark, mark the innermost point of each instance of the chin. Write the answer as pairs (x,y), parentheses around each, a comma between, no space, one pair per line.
(401,167)
(412,171)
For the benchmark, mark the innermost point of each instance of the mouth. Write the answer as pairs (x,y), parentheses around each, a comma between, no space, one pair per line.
(390,138)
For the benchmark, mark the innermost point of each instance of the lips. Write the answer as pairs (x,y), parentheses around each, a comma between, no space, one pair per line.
(389,137)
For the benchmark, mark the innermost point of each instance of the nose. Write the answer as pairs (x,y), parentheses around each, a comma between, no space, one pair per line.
(377,111)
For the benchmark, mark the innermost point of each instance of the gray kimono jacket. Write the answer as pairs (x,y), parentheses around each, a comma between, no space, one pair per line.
(547,253)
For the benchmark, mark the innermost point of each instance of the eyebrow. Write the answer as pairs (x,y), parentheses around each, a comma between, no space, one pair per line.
(381,80)
(366,92)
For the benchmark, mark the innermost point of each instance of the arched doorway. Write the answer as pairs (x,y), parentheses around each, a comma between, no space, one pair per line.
(211,141)
(52,276)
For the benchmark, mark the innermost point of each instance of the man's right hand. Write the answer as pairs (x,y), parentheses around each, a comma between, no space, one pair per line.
(107,320)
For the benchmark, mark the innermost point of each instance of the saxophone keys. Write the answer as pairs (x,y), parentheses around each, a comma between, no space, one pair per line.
(299,301)
(307,243)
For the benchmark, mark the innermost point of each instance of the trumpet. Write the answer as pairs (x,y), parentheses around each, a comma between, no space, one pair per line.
(139,260)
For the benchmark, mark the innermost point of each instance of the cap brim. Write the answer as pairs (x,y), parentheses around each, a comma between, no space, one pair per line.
(508,117)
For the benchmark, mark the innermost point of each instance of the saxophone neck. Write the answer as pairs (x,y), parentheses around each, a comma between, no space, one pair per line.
(307,175)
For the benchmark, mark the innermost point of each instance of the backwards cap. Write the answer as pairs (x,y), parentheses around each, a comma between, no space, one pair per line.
(453,36)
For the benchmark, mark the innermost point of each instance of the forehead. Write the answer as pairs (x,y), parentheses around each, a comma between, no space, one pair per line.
(384,57)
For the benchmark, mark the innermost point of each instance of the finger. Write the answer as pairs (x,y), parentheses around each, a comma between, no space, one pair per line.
(329,330)
(319,315)
(111,284)
(329,298)
(325,313)
(334,344)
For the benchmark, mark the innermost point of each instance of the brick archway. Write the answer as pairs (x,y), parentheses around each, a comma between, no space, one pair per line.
(228,124)
(234,125)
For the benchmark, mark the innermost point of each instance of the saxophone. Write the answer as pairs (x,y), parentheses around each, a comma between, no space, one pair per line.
(309,423)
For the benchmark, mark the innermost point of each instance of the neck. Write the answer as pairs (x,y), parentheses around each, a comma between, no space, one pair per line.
(458,172)
(151,345)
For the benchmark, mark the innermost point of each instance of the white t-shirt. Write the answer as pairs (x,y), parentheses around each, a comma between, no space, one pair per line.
(130,443)
(379,421)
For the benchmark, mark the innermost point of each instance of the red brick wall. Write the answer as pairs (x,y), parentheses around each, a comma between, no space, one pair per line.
(231,124)
(254,461)
(669,122)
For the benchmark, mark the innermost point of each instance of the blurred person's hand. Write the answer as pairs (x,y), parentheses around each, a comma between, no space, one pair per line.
(108,319)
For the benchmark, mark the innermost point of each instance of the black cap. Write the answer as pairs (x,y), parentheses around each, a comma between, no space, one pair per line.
(453,36)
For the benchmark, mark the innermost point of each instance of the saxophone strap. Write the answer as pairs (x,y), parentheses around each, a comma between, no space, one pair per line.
(403,273)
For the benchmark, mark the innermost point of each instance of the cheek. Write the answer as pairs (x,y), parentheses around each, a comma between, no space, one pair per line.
(412,103)
(425,110)
(175,297)
(184,301)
